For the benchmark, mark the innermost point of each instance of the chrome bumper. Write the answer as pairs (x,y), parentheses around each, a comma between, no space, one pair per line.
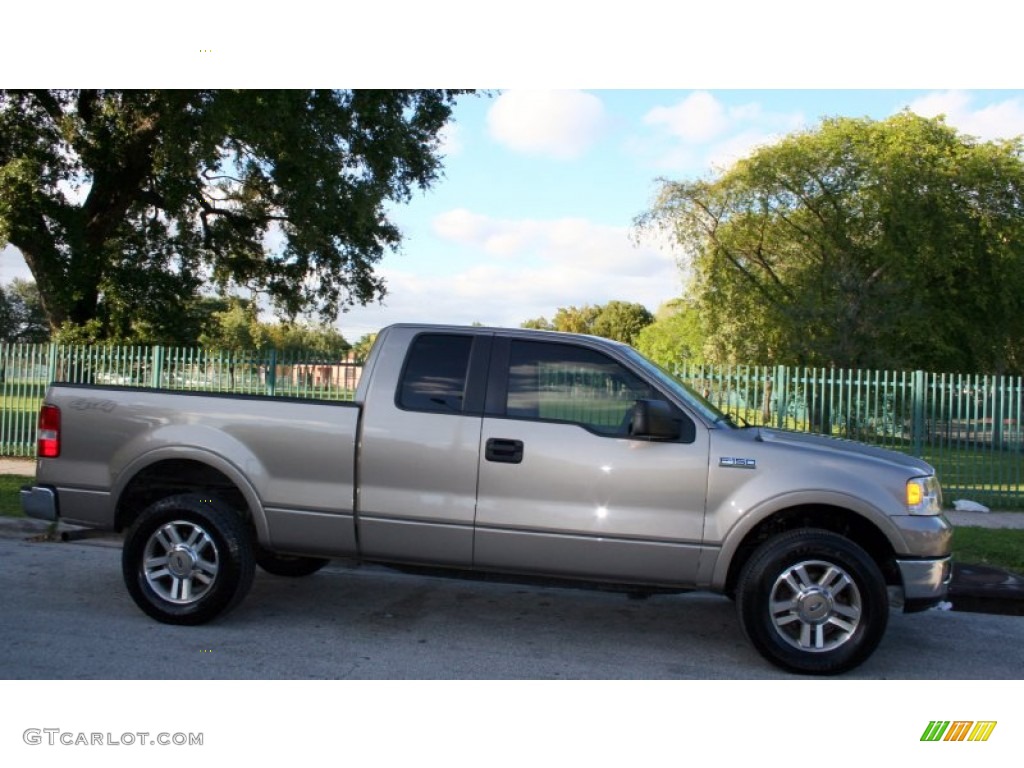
(925,582)
(40,503)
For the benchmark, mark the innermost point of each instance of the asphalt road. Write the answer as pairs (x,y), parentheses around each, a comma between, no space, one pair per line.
(67,615)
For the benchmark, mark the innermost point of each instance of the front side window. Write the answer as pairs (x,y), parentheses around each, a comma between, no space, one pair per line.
(434,378)
(560,382)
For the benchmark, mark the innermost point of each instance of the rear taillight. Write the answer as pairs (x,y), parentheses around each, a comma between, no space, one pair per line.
(48,438)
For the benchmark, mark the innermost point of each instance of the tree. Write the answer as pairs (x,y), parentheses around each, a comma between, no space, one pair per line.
(124,203)
(238,329)
(235,329)
(320,341)
(675,336)
(361,349)
(895,243)
(21,314)
(619,320)
(538,324)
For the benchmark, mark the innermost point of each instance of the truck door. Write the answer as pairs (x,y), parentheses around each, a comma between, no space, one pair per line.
(565,490)
(419,448)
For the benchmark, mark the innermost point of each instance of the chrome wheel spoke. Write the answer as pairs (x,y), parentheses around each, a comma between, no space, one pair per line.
(180,562)
(849,611)
(845,626)
(815,606)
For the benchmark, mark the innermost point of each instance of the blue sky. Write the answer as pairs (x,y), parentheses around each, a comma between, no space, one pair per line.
(540,189)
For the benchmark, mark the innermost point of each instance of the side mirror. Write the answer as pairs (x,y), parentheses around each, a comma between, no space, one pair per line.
(654,419)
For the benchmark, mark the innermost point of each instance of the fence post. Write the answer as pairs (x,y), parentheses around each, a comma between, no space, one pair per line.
(917,423)
(272,373)
(781,396)
(51,364)
(158,366)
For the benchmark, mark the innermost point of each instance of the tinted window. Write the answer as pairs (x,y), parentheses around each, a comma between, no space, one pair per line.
(559,382)
(435,373)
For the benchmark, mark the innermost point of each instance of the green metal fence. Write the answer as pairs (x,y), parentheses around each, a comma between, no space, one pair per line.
(968,426)
(26,369)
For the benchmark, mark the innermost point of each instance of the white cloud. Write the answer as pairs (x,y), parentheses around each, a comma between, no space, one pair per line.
(698,118)
(558,124)
(704,132)
(522,269)
(1002,120)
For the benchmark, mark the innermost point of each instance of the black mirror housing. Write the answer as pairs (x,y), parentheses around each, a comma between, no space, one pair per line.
(654,420)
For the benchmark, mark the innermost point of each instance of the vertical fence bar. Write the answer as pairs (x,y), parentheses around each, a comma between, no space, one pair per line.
(272,373)
(157,366)
(918,417)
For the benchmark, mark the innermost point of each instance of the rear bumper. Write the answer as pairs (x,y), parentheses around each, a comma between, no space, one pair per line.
(40,503)
(925,582)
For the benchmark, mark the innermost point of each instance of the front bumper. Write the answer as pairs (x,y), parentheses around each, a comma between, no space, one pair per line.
(39,502)
(925,581)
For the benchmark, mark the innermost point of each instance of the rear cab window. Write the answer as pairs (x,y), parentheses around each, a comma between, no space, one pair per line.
(435,374)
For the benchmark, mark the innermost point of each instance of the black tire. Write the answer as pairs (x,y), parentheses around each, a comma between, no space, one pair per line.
(188,559)
(831,602)
(288,565)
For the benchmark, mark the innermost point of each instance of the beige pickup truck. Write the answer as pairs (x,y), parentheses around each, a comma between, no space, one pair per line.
(526,453)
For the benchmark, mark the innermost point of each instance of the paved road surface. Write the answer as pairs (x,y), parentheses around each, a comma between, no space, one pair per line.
(66,615)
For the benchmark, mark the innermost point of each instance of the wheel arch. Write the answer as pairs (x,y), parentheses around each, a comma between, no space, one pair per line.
(163,474)
(835,518)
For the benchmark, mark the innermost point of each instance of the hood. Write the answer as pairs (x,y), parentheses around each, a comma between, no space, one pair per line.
(848,448)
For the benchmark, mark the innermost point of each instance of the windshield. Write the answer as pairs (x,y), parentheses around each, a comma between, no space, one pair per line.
(683,391)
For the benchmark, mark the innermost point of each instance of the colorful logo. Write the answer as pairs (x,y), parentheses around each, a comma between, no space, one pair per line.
(959,730)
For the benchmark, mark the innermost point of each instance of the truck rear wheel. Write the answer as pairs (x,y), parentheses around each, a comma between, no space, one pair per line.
(812,602)
(288,565)
(187,559)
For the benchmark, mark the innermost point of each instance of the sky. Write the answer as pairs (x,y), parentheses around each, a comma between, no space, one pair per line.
(540,189)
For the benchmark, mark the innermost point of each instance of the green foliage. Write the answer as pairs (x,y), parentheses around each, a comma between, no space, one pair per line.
(125,203)
(22,319)
(891,244)
(238,328)
(997,547)
(622,321)
(538,324)
(675,336)
(361,349)
(618,320)
(10,494)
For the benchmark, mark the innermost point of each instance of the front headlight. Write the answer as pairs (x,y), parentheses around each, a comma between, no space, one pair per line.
(924,496)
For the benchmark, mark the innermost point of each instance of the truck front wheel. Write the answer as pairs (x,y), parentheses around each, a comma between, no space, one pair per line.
(187,559)
(813,602)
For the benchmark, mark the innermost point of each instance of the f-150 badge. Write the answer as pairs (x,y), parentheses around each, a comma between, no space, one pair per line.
(737,463)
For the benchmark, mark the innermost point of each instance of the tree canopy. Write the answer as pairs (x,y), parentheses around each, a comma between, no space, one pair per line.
(237,328)
(618,320)
(889,244)
(674,336)
(124,203)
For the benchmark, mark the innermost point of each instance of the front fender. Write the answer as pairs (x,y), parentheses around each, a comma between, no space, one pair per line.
(728,526)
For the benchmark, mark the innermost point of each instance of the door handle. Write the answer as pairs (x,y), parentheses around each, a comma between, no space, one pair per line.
(504,451)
